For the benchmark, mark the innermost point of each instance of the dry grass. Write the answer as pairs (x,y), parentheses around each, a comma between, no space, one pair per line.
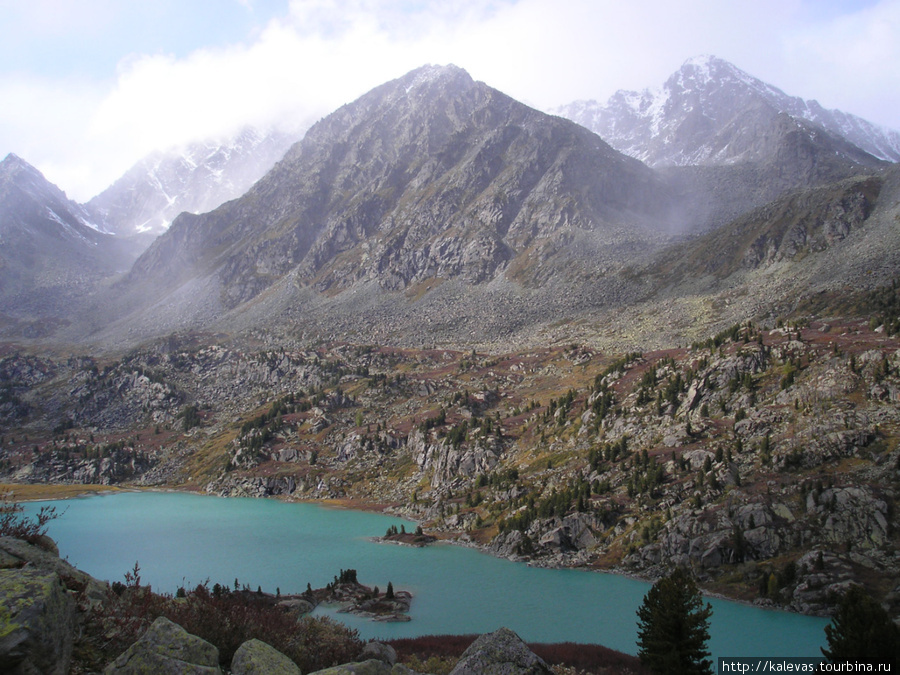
(35,492)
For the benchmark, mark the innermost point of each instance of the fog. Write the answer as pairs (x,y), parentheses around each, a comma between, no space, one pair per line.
(86,95)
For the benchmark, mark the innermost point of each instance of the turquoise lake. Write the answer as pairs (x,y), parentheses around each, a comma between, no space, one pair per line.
(182,540)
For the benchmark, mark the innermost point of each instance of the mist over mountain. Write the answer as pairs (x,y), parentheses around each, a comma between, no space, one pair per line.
(197,178)
(437,209)
(430,179)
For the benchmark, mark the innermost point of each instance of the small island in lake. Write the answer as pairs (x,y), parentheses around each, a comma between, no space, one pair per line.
(354,598)
(401,536)
(368,602)
(345,590)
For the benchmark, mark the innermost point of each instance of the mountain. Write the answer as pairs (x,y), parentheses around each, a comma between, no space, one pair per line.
(55,253)
(428,180)
(728,143)
(435,209)
(319,338)
(51,253)
(710,112)
(196,178)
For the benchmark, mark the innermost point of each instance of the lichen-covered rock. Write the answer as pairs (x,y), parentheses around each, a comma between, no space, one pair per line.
(37,623)
(17,553)
(500,653)
(255,657)
(167,649)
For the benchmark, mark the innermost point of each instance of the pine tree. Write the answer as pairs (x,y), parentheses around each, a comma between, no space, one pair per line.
(861,631)
(673,627)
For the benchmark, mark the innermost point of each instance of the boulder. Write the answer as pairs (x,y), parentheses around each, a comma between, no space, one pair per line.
(167,649)
(500,653)
(370,667)
(558,538)
(18,553)
(255,657)
(37,623)
(379,651)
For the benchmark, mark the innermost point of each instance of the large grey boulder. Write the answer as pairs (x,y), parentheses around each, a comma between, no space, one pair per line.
(500,653)
(255,657)
(167,649)
(37,623)
(380,651)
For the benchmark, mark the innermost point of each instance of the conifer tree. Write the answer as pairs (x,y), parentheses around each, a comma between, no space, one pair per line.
(673,627)
(861,631)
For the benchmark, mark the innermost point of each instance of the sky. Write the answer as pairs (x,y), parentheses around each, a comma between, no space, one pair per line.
(89,87)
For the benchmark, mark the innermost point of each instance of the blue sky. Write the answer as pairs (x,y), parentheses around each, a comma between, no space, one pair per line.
(70,38)
(91,86)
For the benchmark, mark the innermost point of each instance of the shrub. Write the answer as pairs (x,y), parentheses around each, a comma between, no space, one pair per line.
(227,620)
(14,524)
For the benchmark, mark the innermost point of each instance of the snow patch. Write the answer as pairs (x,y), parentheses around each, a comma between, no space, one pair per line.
(67,227)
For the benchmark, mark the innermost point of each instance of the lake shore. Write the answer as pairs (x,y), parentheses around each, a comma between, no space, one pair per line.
(29,492)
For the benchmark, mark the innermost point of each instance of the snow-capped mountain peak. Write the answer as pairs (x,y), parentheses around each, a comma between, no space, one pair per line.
(675,123)
(197,177)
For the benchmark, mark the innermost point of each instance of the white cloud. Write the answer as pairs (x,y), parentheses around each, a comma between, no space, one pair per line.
(324,53)
(851,62)
(43,121)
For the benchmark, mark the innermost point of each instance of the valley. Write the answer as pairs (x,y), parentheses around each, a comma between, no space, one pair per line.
(766,459)
(674,343)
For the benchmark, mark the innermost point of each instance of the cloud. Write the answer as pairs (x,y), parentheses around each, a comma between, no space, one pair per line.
(319,54)
(44,121)
(850,62)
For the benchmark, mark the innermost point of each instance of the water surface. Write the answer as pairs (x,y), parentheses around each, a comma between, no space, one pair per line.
(182,540)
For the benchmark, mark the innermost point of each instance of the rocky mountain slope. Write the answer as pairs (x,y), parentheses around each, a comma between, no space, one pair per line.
(435,208)
(711,112)
(429,180)
(197,178)
(766,458)
(482,317)
(404,168)
(52,254)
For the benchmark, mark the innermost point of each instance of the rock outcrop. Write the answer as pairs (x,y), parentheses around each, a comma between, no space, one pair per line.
(167,649)
(15,553)
(39,598)
(37,623)
(255,657)
(500,653)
